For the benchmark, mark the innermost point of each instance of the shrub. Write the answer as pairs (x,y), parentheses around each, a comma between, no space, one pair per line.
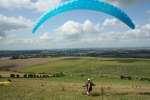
(18,76)
(37,76)
(125,77)
(34,75)
(145,79)
(9,80)
(30,75)
(129,78)
(15,57)
(46,76)
(82,75)
(12,75)
(40,76)
(25,76)
(61,74)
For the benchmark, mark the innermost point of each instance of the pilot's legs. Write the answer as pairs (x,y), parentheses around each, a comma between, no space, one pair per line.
(88,93)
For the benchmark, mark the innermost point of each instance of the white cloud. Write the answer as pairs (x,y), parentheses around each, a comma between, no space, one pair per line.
(70,30)
(11,42)
(42,5)
(1,37)
(140,33)
(75,34)
(73,30)
(148,11)
(89,27)
(111,22)
(16,4)
(70,27)
(126,2)
(45,36)
(39,5)
(13,23)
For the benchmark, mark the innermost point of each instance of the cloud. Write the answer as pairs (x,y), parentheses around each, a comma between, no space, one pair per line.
(73,30)
(42,41)
(13,23)
(148,11)
(86,34)
(42,5)
(16,4)
(45,36)
(125,2)
(111,22)
(88,31)
(140,33)
(38,5)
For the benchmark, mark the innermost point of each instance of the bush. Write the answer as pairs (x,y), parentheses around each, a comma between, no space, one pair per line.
(15,57)
(12,75)
(30,75)
(37,76)
(125,77)
(0,76)
(61,74)
(40,76)
(45,76)
(82,75)
(9,80)
(129,78)
(18,76)
(34,75)
(25,76)
(145,79)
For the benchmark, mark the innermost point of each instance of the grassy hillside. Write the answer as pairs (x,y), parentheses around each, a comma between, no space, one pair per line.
(93,66)
(104,72)
(60,89)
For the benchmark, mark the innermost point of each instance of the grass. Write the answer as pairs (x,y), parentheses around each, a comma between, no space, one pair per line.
(59,89)
(93,66)
(105,73)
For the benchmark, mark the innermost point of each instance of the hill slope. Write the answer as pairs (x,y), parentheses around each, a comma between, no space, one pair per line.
(93,66)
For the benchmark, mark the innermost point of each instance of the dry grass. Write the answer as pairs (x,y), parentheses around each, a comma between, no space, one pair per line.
(23,62)
(64,90)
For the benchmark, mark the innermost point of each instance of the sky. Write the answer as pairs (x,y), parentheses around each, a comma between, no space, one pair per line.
(73,29)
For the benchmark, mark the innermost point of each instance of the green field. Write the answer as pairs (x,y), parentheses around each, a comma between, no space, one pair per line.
(93,66)
(105,73)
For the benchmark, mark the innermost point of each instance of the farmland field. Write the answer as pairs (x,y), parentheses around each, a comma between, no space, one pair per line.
(105,73)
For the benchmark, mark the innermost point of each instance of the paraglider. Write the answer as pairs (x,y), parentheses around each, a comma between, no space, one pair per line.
(96,5)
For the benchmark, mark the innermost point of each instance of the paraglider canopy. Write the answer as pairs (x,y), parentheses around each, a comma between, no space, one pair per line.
(96,5)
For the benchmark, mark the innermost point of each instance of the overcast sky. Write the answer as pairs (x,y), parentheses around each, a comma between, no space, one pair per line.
(75,29)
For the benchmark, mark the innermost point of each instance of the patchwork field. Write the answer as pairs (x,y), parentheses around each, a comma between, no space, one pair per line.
(105,73)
